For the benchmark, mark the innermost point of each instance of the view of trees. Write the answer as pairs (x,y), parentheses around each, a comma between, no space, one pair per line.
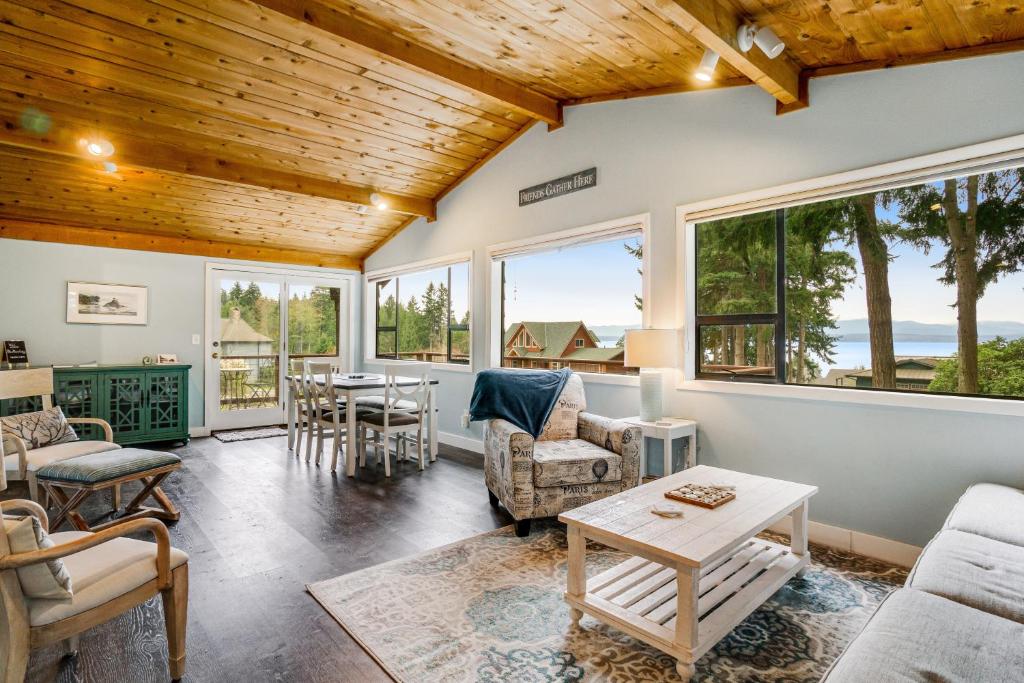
(312,316)
(421,332)
(975,224)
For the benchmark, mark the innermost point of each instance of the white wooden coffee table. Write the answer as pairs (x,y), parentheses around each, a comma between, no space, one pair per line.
(692,579)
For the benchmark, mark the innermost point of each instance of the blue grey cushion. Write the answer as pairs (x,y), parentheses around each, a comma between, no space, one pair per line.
(99,467)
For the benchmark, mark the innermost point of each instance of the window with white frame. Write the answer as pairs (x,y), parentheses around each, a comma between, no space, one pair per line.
(566,301)
(911,288)
(422,314)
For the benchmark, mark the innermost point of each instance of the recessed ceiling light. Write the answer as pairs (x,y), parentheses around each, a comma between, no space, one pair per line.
(97,147)
(708,62)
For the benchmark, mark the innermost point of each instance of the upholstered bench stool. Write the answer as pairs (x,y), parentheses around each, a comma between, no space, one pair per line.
(82,476)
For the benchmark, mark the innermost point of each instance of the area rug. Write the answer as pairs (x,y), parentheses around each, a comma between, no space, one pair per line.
(249,434)
(490,609)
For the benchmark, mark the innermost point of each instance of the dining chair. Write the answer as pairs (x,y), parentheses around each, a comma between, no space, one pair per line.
(395,420)
(296,392)
(327,410)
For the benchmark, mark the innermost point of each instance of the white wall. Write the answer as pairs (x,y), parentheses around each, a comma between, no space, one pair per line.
(33,281)
(887,471)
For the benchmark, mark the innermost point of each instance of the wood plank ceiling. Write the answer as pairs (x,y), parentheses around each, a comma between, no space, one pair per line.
(260,129)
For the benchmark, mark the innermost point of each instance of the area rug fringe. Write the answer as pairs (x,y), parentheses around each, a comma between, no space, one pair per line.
(233,435)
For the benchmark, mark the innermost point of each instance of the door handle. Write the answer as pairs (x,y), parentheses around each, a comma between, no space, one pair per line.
(214,355)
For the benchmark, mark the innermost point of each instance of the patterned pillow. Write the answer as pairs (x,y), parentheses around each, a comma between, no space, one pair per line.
(563,423)
(49,580)
(41,428)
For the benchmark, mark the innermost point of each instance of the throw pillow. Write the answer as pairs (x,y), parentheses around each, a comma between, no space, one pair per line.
(48,580)
(41,428)
(563,423)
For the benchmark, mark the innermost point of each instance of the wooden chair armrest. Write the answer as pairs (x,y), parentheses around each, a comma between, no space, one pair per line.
(19,447)
(34,509)
(163,548)
(108,433)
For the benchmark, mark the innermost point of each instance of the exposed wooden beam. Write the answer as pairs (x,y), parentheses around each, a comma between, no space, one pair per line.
(134,151)
(667,90)
(389,46)
(118,239)
(713,24)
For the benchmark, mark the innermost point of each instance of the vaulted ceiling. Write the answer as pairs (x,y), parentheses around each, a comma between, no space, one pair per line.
(260,130)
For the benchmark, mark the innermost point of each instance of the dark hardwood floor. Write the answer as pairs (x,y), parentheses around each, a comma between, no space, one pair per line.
(258,525)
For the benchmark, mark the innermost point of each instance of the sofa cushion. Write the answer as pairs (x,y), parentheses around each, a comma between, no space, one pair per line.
(40,457)
(974,571)
(990,510)
(573,461)
(40,428)
(100,574)
(49,579)
(920,637)
(562,423)
(99,467)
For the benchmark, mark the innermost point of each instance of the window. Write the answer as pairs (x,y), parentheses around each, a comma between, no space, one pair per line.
(423,315)
(567,303)
(910,289)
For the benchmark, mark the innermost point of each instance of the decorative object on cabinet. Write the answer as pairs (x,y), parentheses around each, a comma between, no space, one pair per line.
(103,304)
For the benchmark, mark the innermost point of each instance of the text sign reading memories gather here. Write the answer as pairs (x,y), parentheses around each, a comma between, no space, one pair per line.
(581,180)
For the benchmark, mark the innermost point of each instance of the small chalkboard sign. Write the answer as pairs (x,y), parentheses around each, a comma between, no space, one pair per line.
(15,351)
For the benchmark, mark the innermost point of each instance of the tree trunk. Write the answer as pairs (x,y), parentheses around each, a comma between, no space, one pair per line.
(963,238)
(801,351)
(725,345)
(762,345)
(739,349)
(874,254)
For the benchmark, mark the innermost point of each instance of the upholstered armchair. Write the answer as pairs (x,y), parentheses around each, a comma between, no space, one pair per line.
(577,459)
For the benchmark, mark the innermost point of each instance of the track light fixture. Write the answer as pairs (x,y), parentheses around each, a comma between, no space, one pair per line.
(378,201)
(708,62)
(98,148)
(362,209)
(749,35)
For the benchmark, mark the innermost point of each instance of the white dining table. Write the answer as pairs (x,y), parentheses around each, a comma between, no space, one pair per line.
(351,385)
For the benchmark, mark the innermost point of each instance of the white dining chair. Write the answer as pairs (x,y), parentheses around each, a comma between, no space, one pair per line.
(327,410)
(393,420)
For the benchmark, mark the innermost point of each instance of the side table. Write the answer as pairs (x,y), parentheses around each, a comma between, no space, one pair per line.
(668,429)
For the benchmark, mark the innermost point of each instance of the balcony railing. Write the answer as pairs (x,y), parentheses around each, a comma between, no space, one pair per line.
(252,381)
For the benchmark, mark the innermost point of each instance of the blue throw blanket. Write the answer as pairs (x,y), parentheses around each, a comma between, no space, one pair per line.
(523,397)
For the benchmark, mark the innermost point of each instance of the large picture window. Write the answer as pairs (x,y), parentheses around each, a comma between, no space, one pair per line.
(423,315)
(569,306)
(915,289)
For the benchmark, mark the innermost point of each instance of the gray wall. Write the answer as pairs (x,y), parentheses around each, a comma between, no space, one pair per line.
(33,281)
(887,471)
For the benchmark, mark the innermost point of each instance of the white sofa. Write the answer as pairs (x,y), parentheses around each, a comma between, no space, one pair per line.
(960,616)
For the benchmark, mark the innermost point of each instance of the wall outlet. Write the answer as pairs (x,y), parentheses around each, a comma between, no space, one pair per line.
(465,419)
(196,339)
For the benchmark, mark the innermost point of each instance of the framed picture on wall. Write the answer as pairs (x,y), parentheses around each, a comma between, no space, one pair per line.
(102,304)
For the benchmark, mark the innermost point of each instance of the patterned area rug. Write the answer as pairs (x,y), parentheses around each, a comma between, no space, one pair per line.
(249,434)
(490,609)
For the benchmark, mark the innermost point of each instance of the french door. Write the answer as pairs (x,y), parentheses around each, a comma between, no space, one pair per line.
(259,321)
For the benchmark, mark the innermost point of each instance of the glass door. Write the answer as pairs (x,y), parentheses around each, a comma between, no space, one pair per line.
(244,360)
(260,323)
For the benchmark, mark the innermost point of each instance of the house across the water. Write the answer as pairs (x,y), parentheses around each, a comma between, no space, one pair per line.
(912,372)
(556,345)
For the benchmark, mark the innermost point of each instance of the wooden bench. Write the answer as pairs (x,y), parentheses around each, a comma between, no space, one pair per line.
(70,482)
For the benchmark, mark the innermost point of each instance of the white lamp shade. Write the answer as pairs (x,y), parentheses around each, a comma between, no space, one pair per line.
(651,348)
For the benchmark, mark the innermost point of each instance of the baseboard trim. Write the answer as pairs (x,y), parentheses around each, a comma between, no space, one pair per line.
(885,549)
(464,442)
(198,432)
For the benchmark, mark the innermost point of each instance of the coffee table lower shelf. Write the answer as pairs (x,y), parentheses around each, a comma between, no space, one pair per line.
(641,597)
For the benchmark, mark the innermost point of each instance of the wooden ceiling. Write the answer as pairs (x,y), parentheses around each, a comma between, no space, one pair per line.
(260,129)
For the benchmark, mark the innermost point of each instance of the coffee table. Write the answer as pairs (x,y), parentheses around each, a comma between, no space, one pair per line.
(691,579)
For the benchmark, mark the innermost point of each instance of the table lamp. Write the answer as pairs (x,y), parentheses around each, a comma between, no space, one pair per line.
(650,350)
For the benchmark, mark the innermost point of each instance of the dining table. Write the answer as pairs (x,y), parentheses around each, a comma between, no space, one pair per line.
(352,385)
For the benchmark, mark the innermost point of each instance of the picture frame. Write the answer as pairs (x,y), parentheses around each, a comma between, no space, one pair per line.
(166,358)
(95,303)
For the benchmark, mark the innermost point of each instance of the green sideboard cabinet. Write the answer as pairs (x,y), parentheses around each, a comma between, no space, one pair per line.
(142,403)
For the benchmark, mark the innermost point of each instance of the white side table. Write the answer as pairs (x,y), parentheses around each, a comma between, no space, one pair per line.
(668,429)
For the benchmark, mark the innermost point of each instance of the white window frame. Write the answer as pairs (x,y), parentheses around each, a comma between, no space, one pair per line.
(962,160)
(370,279)
(556,240)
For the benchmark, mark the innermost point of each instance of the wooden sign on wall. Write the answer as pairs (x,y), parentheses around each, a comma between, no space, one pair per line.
(581,180)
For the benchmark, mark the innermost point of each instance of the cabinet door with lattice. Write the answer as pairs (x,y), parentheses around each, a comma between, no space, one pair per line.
(124,399)
(17,406)
(77,395)
(165,409)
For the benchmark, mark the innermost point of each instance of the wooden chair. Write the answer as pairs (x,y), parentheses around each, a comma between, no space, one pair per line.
(110,574)
(327,410)
(21,463)
(397,416)
(297,393)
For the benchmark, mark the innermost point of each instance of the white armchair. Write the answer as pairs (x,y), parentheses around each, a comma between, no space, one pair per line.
(110,574)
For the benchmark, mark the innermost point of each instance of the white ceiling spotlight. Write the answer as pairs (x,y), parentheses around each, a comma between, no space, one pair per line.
(378,201)
(362,209)
(708,62)
(749,35)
